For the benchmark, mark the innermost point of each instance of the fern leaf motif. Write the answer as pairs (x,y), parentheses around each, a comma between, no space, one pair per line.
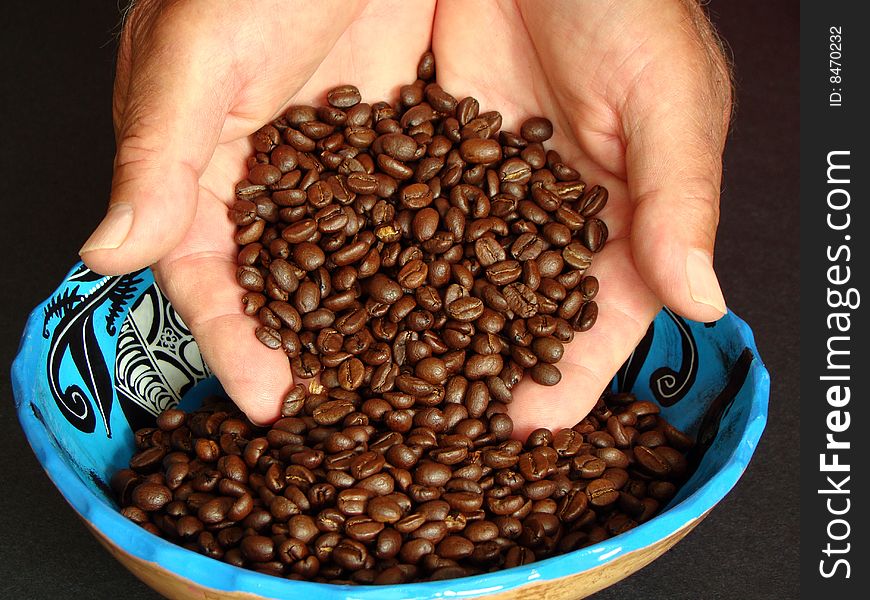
(59,306)
(119,296)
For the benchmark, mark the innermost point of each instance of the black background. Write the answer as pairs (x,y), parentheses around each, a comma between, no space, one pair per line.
(56,146)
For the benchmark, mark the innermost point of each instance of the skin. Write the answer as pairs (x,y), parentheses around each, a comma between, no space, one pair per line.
(638,93)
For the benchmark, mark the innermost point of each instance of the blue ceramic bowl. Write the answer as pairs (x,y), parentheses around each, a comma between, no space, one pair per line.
(104,355)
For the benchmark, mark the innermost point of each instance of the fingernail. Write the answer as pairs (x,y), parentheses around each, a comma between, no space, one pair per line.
(703,285)
(112,232)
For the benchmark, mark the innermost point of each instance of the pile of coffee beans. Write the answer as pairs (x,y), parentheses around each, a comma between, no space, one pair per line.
(334,496)
(386,248)
(413,262)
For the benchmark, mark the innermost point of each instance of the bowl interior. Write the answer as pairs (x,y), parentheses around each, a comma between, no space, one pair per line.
(104,355)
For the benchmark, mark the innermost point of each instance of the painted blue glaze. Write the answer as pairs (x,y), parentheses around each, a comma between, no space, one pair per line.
(686,364)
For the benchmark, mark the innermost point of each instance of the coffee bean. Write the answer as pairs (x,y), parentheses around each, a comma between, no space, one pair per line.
(414,550)
(594,234)
(215,511)
(602,492)
(416,196)
(264,174)
(585,319)
(546,374)
(425,224)
(480,151)
(548,349)
(308,256)
(455,547)
(151,496)
(413,275)
(147,459)
(432,370)
(593,201)
(433,474)
(258,548)
(577,255)
(521,299)
(332,411)
(465,309)
(351,373)
(536,129)
(651,462)
(527,246)
(343,96)
(480,366)
(384,510)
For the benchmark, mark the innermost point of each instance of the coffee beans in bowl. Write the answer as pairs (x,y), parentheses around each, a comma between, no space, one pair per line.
(724,407)
(342,493)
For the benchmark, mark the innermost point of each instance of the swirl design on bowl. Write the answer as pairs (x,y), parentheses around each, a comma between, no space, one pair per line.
(76,336)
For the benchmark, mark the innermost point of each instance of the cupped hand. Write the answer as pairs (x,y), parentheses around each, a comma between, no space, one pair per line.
(639,96)
(194,80)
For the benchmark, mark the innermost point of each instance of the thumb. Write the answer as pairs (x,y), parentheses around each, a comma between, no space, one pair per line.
(170,118)
(674,148)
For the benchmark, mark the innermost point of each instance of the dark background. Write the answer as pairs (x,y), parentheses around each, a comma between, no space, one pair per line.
(57,147)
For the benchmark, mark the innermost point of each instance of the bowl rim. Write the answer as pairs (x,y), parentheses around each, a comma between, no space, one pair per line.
(210,573)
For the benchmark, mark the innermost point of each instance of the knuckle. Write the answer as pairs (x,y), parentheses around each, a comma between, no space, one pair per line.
(700,203)
(135,149)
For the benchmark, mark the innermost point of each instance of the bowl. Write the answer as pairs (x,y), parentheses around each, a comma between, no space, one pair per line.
(104,355)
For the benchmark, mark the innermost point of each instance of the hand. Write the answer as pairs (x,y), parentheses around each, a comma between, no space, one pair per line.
(194,80)
(639,95)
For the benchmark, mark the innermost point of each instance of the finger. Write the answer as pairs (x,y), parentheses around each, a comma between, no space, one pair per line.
(626,308)
(675,122)
(200,282)
(170,120)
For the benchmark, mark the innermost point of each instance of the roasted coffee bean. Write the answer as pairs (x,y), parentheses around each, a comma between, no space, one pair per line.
(480,366)
(465,309)
(477,151)
(585,319)
(651,461)
(593,201)
(536,129)
(548,349)
(258,548)
(521,299)
(343,96)
(308,256)
(432,474)
(151,496)
(588,466)
(594,234)
(351,373)
(527,246)
(577,255)
(602,492)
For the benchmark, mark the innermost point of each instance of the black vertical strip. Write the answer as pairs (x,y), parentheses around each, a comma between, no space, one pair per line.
(626,377)
(709,426)
(834,261)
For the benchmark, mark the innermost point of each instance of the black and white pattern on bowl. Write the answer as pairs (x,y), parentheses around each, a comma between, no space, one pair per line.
(157,359)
